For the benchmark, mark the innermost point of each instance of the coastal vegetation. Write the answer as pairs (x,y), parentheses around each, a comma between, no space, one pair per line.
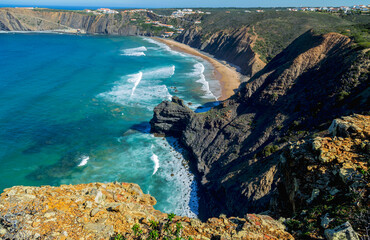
(167,230)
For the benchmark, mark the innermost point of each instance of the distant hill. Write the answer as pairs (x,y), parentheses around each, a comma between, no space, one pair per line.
(244,37)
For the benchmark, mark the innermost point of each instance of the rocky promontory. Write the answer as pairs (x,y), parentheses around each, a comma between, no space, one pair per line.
(105,211)
(236,147)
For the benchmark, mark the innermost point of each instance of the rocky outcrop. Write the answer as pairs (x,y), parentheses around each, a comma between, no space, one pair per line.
(327,178)
(316,79)
(173,117)
(234,46)
(102,211)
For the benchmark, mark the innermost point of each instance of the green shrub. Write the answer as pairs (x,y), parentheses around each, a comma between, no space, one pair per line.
(269,149)
(342,95)
(168,230)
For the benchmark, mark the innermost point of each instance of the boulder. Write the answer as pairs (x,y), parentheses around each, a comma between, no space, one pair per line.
(342,232)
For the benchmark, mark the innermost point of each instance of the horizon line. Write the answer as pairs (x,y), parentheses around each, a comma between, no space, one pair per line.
(123,7)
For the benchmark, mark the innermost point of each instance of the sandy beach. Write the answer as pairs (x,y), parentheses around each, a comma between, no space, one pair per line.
(228,76)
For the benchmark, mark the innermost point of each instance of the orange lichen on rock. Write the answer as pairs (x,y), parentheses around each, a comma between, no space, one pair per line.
(100,211)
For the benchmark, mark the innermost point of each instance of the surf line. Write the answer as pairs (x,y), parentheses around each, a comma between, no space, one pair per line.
(135,78)
(155,159)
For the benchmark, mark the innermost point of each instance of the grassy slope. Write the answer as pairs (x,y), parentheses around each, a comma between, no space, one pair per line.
(277,28)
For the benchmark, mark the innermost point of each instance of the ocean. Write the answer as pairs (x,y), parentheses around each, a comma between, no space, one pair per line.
(76,109)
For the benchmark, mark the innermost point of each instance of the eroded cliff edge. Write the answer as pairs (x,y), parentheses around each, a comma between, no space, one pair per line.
(233,45)
(105,211)
(314,80)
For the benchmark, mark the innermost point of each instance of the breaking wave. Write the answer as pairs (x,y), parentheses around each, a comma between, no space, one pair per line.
(155,160)
(139,51)
(199,71)
(135,78)
(84,160)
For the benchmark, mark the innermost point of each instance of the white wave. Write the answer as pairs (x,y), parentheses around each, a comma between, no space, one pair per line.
(165,72)
(142,97)
(139,51)
(164,46)
(135,78)
(155,159)
(177,171)
(134,54)
(84,160)
(199,71)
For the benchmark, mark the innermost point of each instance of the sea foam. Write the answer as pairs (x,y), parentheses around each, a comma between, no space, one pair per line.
(135,78)
(139,51)
(164,72)
(164,47)
(127,92)
(199,72)
(84,160)
(155,160)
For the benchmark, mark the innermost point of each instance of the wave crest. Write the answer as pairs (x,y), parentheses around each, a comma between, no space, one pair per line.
(139,51)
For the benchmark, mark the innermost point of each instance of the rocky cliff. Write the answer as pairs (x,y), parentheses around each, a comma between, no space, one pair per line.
(105,211)
(234,46)
(314,80)
(325,179)
(41,20)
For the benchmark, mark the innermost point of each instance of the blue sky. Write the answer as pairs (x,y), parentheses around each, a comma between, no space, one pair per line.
(181,3)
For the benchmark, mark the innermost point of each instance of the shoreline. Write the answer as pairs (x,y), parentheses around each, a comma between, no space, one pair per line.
(228,76)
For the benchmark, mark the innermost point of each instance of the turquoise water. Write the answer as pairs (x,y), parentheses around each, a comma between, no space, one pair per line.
(75,109)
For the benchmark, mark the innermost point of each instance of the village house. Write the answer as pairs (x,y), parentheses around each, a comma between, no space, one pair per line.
(106,11)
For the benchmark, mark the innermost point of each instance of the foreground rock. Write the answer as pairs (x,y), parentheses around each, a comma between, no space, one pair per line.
(101,211)
(327,178)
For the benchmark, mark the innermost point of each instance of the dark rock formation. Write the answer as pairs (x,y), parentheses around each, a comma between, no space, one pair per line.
(234,46)
(299,91)
(171,117)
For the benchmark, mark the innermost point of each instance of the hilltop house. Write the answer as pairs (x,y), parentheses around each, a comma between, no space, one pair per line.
(167,34)
(106,11)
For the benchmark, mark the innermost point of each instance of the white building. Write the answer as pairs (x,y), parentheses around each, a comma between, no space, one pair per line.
(107,11)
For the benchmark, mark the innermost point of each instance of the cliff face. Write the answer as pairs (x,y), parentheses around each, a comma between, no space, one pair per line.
(314,80)
(30,20)
(234,46)
(102,211)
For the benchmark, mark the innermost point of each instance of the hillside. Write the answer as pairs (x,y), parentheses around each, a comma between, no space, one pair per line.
(255,38)
(235,146)
(248,40)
